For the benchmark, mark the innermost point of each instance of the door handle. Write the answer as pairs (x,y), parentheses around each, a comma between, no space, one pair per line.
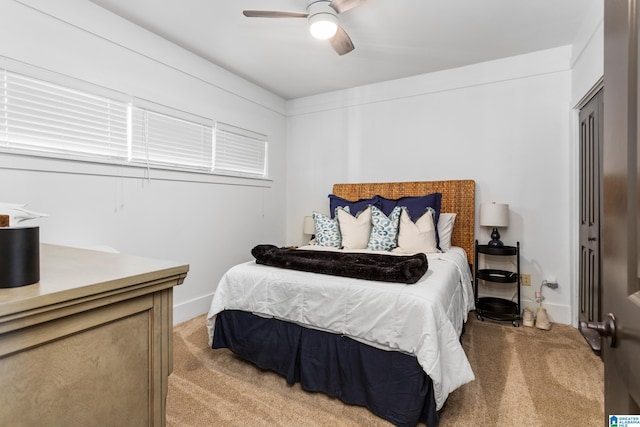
(606,328)
(592,239)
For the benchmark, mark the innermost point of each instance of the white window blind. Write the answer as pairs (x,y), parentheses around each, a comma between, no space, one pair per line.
(161,139)
(239,151)
(41,117)
(51,115)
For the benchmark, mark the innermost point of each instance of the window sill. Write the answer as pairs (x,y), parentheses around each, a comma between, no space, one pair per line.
(97,168)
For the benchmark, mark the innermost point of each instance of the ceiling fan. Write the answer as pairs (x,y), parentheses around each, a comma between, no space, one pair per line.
(323,20)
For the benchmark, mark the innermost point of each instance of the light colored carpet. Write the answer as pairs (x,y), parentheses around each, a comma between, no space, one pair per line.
(524,377)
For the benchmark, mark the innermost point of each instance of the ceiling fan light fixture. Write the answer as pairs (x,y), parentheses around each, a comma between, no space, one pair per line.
(323,22)
(323,28)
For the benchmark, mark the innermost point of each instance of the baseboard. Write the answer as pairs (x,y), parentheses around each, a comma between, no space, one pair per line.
(193,308)
(557,313)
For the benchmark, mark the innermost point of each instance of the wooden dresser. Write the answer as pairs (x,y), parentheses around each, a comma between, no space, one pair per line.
(91,343)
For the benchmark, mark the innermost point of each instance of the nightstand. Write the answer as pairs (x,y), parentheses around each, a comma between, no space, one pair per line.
(494,308)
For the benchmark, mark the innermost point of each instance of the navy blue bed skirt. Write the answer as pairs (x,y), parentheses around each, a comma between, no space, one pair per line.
(390,384)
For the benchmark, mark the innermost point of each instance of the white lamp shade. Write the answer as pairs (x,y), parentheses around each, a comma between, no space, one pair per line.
(494,215)
(323,22)
(308,226)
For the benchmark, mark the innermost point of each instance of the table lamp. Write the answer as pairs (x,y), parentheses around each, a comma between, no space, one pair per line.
(308,226)
(494,215)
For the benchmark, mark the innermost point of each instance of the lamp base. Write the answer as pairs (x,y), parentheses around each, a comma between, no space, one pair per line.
(495,241)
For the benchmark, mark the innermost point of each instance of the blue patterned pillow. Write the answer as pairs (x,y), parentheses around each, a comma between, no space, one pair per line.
(327,229)
(384,229)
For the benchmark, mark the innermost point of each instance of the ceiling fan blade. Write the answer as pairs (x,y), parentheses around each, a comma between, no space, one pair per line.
(341,42)
(344,5)
(273,14)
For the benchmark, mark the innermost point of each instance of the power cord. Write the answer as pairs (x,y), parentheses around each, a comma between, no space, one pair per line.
(539,296)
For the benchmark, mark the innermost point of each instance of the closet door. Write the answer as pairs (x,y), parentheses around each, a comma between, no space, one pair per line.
(591,117)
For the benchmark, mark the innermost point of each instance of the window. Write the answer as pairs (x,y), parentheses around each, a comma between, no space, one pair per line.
(164,140)
(239,151)
(41,117)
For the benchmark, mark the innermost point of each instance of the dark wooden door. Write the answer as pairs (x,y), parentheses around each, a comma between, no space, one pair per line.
(620,244)
(590,210)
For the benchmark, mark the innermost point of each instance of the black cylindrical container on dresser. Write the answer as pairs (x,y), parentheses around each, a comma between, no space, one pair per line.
(19,256)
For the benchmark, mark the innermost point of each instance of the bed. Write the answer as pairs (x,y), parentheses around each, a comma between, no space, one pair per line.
(391,347)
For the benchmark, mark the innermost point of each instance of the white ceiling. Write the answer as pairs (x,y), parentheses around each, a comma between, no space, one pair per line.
(392,38)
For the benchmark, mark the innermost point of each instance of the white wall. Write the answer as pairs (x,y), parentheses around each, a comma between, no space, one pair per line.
(587,57)
(211,224)
(504,124)
(587,73)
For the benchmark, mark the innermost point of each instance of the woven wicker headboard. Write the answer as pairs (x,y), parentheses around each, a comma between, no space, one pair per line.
(458,196)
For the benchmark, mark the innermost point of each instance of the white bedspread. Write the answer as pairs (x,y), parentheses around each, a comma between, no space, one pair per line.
(424,319)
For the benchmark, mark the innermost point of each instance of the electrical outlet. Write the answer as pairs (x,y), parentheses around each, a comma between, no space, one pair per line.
(525,279)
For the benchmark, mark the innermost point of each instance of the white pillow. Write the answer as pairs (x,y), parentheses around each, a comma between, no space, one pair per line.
(355,231)
(416,237)
(445,228)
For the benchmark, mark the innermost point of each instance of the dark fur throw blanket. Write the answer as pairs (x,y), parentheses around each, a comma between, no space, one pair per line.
(369,266)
